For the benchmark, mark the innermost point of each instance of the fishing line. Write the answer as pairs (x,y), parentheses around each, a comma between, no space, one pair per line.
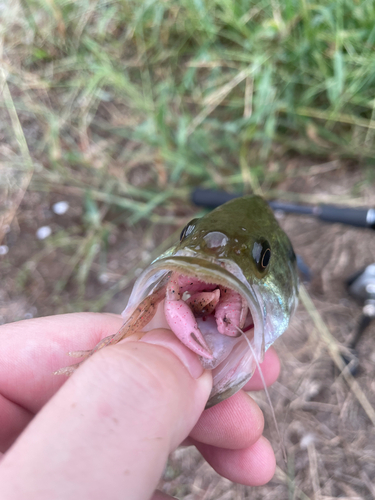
(283,450)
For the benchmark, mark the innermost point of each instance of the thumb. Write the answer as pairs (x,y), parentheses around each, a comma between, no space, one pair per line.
(108,431)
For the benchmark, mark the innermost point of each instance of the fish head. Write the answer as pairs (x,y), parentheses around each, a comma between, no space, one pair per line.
(239,245)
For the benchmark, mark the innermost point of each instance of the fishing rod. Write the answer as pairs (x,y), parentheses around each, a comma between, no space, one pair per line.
(358,217)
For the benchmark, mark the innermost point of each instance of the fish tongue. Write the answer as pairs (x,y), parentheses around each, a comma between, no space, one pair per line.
(220,345)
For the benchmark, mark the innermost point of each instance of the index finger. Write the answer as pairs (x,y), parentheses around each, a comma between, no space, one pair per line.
(31,350)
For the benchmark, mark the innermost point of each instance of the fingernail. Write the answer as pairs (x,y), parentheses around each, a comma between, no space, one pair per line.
(167,339)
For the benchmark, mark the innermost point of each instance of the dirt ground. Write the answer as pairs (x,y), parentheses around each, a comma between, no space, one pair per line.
(329,439)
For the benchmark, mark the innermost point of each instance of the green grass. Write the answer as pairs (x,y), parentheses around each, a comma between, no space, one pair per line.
(126,105)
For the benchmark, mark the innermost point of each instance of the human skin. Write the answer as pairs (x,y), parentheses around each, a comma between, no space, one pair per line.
(106,432)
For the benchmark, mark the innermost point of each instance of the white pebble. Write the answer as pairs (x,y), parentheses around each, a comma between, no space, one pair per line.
(43,232)
(103,278)
(60,207)
(4,249)
(307,440)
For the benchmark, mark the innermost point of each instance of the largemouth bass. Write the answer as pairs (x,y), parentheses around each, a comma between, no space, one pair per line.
(233,274)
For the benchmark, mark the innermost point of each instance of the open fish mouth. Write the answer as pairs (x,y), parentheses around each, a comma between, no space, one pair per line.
(208,304)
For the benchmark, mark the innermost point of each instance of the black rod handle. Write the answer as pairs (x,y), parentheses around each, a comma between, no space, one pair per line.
(210,198)
(359,217)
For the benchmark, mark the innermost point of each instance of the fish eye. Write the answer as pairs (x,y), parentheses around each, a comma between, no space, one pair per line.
(262,254)
(265,258)
(188,229)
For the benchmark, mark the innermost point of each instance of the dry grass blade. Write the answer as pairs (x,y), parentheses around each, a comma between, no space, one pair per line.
(8,215)
(334,352)
(249,89)
(281,476)
(217,97)
(339,117)
(314,473)
(249,179)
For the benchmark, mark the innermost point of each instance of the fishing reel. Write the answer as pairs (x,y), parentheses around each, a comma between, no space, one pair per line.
(361,286)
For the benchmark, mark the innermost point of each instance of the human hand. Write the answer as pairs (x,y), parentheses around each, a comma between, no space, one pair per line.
(107,431)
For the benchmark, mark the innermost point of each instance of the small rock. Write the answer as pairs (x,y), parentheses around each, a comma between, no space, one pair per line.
(4,249)
(103,278)
(43,232)
(60,207)
(306,440)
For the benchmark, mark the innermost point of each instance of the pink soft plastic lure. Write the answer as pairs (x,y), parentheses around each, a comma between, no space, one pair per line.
(226,304)
(234,270)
